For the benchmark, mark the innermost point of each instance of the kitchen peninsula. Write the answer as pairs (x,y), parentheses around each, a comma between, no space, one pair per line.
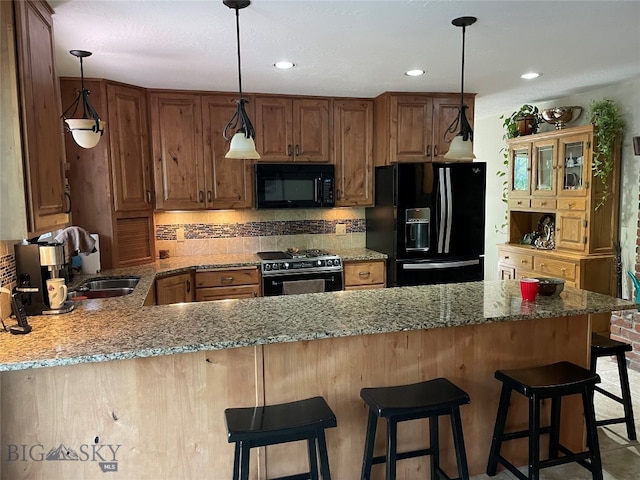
(139,391)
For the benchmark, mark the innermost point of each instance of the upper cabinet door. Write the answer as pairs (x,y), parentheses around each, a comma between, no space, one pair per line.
(292,129)
(41,124)
(445,111)
(520,171)
(229,181)
(411,128)
(353,152)
(575,165)
(311,130)
(176,130)
(274,130)
(544,167)
(129,146)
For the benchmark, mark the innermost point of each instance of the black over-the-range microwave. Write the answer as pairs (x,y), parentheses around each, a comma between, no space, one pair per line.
(294,185)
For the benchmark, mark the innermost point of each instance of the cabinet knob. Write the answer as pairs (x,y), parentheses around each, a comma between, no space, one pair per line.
(428,150)
(542,265)
(67,195)
(188,286)
(148,196)
(519,202)
(201,196)
(506,257)
(297,150)
(435,150)
(364,274)
(289,150)
(209,196)
(226,279)
(523,261)
(543,203)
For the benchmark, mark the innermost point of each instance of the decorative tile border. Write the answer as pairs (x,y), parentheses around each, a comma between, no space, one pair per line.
(7,269)
(193,231)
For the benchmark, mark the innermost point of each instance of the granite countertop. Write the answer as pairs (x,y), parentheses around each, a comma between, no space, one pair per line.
(121,328)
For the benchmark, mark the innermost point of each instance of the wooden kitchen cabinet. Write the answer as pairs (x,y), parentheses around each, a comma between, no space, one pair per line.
(111,184)
(175,289)
(190,170)
(227,283)
(292,129)
(550,179)
(411,127)
(42,128)
(353,152)
(364,274)
(550,174)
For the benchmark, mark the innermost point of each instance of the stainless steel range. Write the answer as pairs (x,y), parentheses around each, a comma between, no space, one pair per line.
(300,271)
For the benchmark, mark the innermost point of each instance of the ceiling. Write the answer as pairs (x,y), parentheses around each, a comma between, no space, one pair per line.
(357,48)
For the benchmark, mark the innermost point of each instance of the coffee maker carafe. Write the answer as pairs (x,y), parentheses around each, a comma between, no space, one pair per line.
(36,263)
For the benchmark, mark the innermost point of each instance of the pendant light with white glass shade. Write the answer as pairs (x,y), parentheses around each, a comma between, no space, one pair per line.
(86,131)
(462,144)
(242,145)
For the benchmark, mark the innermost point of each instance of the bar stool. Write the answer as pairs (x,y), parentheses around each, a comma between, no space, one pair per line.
(548,381)
(430,399)
(602,346)
(273,424)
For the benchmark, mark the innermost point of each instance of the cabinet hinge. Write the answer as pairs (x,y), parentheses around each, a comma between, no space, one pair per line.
(589,144)
(584,240)
(585,223)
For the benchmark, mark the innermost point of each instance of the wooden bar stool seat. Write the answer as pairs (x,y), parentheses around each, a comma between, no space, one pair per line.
(602,346)
(273,424)
(430,399)
(537,383)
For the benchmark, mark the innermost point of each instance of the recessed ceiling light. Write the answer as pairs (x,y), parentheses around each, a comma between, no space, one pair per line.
(530,75)
(414,73)
(284,65)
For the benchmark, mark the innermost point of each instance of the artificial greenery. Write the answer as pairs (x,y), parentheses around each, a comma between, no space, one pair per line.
(607,119)
(526,111)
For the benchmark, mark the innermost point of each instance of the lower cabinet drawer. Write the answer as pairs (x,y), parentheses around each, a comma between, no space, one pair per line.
(364,274)
(543,203)
(518,260)
(579,204)
(519,203)
(555,268)
(223,293)
(227,277)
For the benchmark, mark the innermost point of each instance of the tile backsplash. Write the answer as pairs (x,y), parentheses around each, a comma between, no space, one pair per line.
(7,275)
(250,231)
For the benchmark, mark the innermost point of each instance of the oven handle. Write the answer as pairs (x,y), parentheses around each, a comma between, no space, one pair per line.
(434,265)
(301,272)
(276,283)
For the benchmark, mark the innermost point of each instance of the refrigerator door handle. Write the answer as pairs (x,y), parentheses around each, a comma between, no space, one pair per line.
(442,201)
(435,265)
(449,199)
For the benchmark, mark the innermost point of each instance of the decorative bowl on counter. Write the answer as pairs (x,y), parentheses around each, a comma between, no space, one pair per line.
(560,116)
(550,286)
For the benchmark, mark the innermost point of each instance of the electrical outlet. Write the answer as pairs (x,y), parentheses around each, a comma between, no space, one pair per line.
(180,234)
(341,229)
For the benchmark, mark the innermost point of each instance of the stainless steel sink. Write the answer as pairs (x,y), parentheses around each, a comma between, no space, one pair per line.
(106,293)
(105,288)
(111,283)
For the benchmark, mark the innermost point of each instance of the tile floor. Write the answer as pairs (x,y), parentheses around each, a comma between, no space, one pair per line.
(620,457)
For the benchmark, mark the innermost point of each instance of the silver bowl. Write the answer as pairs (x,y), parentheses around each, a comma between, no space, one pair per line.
(560,116)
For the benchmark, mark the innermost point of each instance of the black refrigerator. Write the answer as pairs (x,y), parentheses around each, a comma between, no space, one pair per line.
(429,219)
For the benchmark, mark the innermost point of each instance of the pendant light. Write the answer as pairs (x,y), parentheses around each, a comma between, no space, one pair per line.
(462,144)
(242,144)
(87,130)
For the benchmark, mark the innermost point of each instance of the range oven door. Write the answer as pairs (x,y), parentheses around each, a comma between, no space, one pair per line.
(274,285)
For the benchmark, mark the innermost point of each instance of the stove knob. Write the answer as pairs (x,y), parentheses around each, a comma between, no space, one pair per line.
(336,262)
(274,266)
(285,265)
(319,263)
(267,266)
(329,262)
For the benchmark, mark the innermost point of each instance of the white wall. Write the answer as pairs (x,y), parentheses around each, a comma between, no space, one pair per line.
(488,141)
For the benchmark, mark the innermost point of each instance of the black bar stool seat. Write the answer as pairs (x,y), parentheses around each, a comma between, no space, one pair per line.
(537,383)
(430,399)
(602,346)
(306,419)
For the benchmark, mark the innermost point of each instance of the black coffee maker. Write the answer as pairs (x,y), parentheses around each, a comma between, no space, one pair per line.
(36,262)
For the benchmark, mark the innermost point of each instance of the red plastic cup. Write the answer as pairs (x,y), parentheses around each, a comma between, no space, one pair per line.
(529,289)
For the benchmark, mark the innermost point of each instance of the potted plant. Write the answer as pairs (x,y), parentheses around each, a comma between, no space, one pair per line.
(607,119)
(524,121)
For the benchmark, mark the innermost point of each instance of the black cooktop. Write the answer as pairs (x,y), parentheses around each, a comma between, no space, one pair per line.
(273,255)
